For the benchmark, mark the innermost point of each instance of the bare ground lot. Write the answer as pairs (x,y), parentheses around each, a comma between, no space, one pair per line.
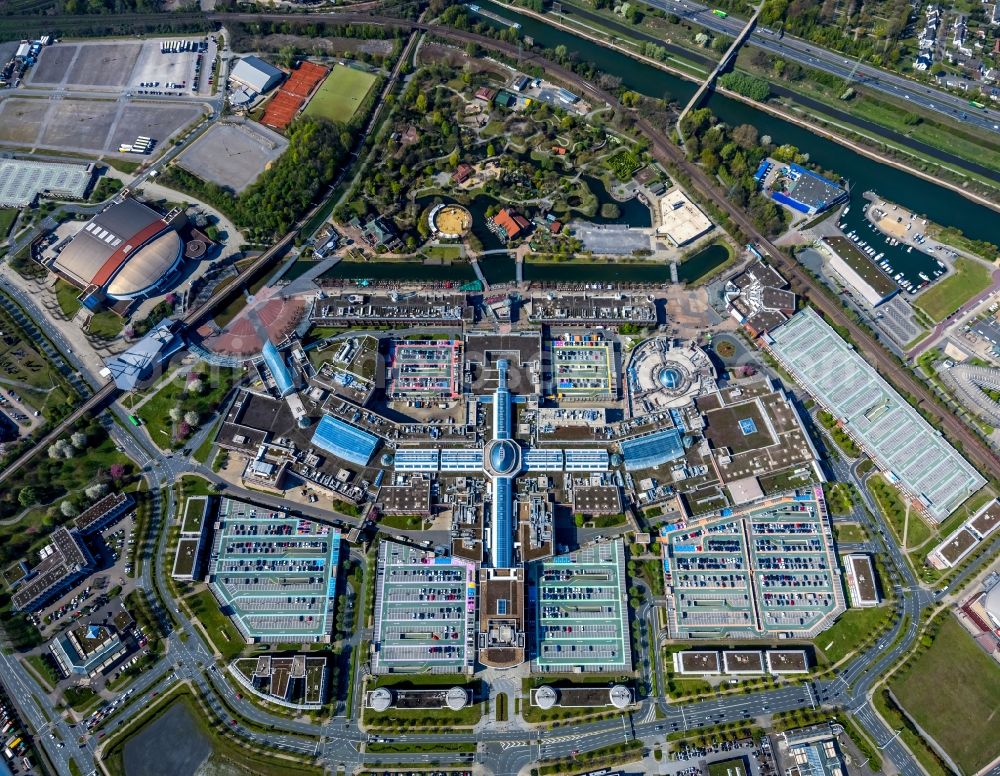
(153,751)
(96,64)
(20,120)
(156,121)
(89,125)
(233,155)
(78,124)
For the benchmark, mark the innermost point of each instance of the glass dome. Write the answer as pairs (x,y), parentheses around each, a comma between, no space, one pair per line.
(503,457)
(671,378)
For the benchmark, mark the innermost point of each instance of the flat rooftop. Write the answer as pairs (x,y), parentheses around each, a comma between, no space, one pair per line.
(274,575)
(425,608)
(581,610)
(881,283)
(895,435)
(22,180)
(583,368)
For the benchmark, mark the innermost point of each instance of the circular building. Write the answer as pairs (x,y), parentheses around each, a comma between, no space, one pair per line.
(380,699)
(663,375)
(127,251)
(503,458)
(546,697)
(621,696)
(449,222)
(457,698)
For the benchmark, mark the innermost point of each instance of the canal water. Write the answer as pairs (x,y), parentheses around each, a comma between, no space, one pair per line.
(935,202)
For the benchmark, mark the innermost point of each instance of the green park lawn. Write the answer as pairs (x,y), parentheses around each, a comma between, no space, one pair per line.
(850,630)
(221,631)
(341,94)
(7,218)
(155,413)
(67,295)
(953,693)
(944,297)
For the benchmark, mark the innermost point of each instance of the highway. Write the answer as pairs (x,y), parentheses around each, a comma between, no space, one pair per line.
(810,55)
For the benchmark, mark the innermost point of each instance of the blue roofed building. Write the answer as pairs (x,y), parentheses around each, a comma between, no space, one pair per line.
(652,450)
(502,523)
(806,191)
(344,440)
(275,363)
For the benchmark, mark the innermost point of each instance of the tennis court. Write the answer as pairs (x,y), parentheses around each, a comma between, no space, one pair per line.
(294,92)
(340,96)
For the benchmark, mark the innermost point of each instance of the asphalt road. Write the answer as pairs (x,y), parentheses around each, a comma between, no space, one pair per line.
(811,55)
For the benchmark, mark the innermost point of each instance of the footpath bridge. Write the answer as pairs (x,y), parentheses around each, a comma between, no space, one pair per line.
(728,57)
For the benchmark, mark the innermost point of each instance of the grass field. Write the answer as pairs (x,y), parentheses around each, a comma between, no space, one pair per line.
(67,295)
(155,413)
(953,693)
(850,630)
(341,94)
(943,298)
(220,629)
(7,218)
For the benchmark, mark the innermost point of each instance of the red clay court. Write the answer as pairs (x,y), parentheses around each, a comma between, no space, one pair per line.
(281,109)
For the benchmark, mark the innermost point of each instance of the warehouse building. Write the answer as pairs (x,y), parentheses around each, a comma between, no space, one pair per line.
(874,286)
(127,251)
(906,447)
(254,74)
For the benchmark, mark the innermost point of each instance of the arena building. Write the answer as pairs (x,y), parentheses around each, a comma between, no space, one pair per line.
(127,251)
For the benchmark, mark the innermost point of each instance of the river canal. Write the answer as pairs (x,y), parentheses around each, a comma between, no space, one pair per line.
(935,202)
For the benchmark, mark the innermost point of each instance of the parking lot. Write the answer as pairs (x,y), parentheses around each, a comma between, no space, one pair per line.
(273,574)
(612,239)
(583,369)
(581,611)
(233,154)
(424,611)
(424,369)
(765,570)
(141,67)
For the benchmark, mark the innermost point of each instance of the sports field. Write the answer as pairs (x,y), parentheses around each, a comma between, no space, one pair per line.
(946,296)
(341,94)
(953,693)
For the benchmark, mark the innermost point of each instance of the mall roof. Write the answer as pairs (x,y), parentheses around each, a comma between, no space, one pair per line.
(892,432)
(278,368)
(344,440)
(652,450)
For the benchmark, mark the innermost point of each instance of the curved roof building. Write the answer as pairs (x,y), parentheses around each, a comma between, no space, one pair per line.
(128,250)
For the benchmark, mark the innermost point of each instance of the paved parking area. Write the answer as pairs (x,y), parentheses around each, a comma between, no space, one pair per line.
(898,320)
(583,368)
(425,610)
(275,575)
(232,154)
(754,573)
(611,239)
(580,611)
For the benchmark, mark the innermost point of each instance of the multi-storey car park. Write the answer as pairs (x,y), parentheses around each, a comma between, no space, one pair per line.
(766,570)
(424,370)
(273,574)
(425,612)
(583,369)
(581,610)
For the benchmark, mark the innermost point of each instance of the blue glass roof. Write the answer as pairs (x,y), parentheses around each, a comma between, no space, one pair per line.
(501,530)
(278,368)
(503,457)
(344,440)
(646,452)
